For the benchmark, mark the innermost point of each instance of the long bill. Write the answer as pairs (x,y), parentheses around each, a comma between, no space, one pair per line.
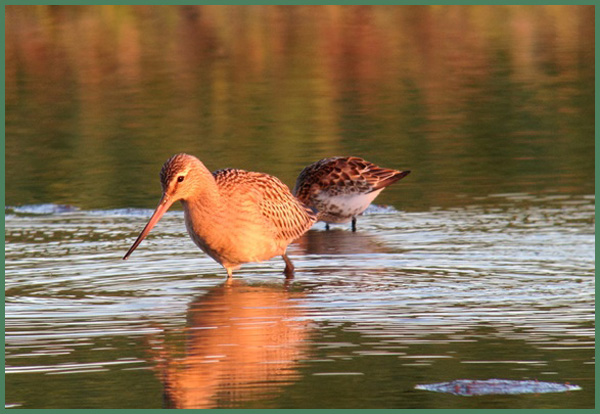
(163,206)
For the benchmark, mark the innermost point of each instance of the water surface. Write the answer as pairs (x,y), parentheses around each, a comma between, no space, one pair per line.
(479,265)
(491,291)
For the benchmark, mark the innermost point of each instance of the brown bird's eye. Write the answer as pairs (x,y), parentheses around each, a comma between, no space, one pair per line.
(180,178)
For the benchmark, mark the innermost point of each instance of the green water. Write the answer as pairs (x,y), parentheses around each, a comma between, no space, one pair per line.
(478,265)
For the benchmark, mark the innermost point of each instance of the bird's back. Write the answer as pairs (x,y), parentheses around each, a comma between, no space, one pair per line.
(343,176)
(265,198)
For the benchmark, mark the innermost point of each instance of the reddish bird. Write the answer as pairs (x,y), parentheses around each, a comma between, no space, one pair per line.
(234,216)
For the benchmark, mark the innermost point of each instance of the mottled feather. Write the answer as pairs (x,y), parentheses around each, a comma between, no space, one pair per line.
(234,216)
(281,212)
(340,188)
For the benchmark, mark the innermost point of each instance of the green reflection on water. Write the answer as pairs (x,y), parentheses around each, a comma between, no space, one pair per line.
(475,100)
(68,385)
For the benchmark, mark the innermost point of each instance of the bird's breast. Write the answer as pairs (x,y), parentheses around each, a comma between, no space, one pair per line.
(230,238)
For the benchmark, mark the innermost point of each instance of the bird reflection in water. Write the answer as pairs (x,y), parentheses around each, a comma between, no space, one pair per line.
(342,257)
(338,241)
(242,343)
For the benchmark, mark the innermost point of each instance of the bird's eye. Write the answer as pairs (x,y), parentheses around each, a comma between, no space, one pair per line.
(180,178)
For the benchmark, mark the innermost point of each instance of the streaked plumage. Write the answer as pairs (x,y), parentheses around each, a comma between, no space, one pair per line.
(340,188)
(234,216)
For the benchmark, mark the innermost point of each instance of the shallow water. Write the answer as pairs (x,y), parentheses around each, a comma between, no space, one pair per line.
(503,289)
(478,265)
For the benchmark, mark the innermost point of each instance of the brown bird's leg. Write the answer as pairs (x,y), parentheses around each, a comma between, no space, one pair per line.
(289,267)
(326,226)
(229,273)
(353,223)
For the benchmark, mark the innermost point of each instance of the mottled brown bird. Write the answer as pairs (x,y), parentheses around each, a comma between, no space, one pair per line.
(234,216)
(340,188)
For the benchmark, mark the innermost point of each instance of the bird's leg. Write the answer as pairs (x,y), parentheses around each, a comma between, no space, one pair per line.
(229,273)
(353,223)
(326,226)
(289,267)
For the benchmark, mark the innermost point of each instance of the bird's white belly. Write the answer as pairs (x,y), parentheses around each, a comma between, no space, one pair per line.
(346,206)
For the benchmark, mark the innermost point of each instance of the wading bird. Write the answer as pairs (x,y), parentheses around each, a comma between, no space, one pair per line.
(340,188)
(234,216)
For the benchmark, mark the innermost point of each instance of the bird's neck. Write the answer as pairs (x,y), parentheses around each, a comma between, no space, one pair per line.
(205,216)
(206,199)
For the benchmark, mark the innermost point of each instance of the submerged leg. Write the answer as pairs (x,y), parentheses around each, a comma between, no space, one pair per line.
(289,267)
(353,223)
(229,273)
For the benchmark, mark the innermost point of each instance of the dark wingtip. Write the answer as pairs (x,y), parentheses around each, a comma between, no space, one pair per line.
(400,175)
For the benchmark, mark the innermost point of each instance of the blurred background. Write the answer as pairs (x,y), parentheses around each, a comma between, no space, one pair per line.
(480,264)
(473,99)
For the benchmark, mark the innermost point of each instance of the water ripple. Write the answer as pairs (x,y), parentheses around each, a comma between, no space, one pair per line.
(519,269)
